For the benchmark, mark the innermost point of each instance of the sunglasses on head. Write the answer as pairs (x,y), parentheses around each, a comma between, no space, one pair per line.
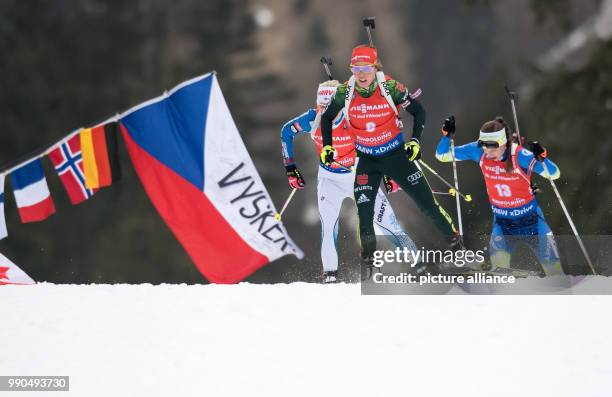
(364,68)
(488,145)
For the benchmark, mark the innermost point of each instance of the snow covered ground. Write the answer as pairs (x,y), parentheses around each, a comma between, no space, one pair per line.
(304,340)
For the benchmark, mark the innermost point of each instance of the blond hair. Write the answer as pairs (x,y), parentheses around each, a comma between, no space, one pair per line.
(330,83)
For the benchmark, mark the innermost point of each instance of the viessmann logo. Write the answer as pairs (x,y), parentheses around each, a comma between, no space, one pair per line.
(500,170)
(497,169)
(339,138)
(363,108)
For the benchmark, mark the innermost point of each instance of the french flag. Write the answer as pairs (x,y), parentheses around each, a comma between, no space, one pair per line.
(31,192)
(194,166)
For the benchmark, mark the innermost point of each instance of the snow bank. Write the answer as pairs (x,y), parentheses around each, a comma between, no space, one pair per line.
(304,340)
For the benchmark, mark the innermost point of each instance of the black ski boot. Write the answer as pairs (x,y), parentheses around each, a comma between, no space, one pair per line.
(455,243)
(367,268)
(330,277)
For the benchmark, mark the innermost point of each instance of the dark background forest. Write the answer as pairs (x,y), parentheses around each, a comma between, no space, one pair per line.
(68,64)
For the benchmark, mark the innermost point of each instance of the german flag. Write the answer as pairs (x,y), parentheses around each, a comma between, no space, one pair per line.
(100,155)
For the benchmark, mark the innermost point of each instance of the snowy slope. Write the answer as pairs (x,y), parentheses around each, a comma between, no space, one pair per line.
(304,340)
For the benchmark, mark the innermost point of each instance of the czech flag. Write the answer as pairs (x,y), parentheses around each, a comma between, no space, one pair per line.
(32,192)
(195,168)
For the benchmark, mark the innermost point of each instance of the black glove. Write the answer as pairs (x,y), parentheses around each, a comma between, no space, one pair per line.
(448,127)
(538,151)
(413,149)
(327,155)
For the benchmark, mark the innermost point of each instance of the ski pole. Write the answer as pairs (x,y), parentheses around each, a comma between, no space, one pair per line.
(278,215)
(349,169)
(512,96)
(442,193)
(369,24)
(456,187)
(452,191)
(433,191)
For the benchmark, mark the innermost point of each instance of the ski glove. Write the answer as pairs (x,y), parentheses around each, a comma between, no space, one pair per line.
(390,185)
(538,151)
(413,149)
(296,181)
(327,155)
(448,127)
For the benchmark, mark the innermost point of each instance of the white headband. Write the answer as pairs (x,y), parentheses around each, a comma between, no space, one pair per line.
(496,136)
(326,91)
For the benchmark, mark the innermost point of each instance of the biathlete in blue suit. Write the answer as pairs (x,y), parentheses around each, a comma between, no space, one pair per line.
(507,168)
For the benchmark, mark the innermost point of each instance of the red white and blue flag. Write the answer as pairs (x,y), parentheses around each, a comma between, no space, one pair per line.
(68,162)
(12,274)
(32,192)
(196,170)
(3,232)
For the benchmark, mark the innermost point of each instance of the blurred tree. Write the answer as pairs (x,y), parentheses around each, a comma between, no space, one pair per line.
(73,63)
(578,111)
(557,11)
(318,36)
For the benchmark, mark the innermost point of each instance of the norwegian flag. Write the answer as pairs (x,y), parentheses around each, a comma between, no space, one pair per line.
(68,162)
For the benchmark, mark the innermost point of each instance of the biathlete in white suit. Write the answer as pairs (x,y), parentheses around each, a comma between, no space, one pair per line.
(335,182)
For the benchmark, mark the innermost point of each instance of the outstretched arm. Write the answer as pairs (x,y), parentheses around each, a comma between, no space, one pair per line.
(296,126)
(469,151)
(554,170)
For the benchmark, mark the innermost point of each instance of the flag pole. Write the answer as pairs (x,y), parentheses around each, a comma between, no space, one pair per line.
(50,147)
